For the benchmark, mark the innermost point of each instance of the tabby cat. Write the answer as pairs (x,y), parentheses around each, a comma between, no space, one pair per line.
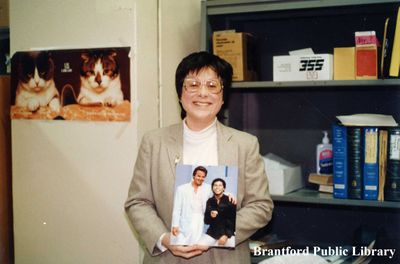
(100,79)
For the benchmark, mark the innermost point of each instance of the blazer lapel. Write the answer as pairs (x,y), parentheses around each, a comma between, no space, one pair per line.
(227,149)
(175,146)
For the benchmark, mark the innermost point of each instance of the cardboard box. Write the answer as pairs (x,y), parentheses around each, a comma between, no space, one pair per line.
(315,67)
(4,13)
(283,177)
(233,47)
(344,63)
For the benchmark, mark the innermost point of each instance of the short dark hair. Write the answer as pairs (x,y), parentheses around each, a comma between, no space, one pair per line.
(216,180)
(197,61)
(200,168)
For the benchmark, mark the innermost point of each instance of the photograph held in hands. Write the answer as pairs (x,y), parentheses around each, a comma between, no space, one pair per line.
(204,211)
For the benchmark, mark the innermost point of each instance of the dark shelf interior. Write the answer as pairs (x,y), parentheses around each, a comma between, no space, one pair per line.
(289,122)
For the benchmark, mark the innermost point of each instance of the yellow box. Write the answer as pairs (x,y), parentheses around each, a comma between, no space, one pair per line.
(232,47)
(344,63)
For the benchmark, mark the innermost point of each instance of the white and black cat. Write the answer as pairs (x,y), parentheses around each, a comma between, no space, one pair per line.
(100,79)
(36,87)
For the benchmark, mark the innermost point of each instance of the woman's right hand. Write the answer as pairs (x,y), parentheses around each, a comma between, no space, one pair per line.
(181,251)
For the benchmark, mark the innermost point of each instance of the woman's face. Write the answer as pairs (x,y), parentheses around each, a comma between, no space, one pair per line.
(218,188)
(201,106)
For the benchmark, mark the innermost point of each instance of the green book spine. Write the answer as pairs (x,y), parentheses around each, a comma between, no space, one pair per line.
(355,162)
(392,183)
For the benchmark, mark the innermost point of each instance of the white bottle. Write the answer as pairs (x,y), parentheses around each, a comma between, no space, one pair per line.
(324,156)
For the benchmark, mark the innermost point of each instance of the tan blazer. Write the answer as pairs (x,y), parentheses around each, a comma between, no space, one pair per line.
(151,193)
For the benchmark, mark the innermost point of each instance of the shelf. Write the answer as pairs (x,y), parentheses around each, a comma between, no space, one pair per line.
(315,197)
(294,84)
(220,7)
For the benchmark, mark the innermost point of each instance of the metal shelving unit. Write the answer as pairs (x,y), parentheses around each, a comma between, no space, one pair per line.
(282,111)
(218,8)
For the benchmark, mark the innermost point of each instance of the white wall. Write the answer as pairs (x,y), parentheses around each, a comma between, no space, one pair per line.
(70,179)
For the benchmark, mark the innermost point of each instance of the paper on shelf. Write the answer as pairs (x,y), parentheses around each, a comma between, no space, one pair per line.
(367,120)
(306,51)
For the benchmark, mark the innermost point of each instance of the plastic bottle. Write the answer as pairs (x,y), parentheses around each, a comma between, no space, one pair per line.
(324,156)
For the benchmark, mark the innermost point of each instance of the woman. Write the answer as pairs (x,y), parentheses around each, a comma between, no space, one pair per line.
(202,82)
(220,215)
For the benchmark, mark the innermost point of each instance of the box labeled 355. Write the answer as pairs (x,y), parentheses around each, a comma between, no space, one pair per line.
(315,67)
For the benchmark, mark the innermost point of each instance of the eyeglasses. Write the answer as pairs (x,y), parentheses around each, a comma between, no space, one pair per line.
(193,85)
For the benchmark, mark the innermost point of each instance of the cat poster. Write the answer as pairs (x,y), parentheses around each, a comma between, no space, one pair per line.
(204,210)
(79,84)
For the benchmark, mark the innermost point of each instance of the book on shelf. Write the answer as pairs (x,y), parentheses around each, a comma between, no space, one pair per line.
(387,46)
(395,55)
(363,160)
(324,188)
(354,162)
(384,50)
(383,148)
(371,164)
(348,162)
(339,147)
(326,179)
(392,181)
(324,182)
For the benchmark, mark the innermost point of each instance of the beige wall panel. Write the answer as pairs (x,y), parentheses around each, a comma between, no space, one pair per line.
(180,35)
(70,179)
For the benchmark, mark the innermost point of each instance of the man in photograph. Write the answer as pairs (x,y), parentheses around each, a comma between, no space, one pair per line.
(189,207)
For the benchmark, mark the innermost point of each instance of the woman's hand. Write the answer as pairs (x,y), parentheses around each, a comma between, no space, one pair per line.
(182,251)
